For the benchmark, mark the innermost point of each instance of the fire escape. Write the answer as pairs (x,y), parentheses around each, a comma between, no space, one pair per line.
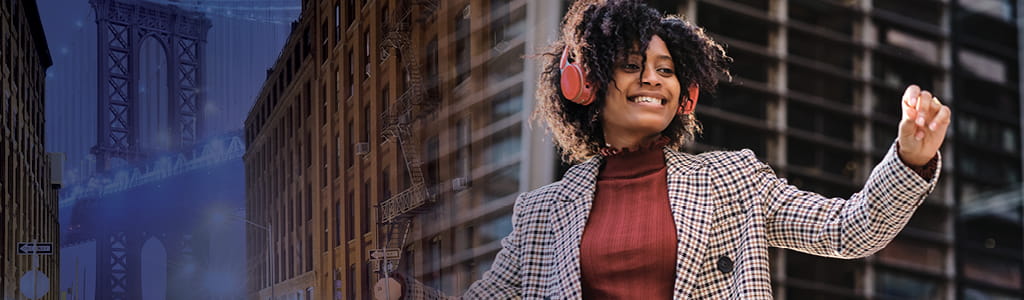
(395,214)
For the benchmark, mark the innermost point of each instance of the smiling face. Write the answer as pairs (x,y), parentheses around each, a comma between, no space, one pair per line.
(643,97)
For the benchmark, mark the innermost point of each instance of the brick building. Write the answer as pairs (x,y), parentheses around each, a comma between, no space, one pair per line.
(28,189)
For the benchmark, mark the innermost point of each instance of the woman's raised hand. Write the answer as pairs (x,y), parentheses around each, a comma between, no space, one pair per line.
(923,127)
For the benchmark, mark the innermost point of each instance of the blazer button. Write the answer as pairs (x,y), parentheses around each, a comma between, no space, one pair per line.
(725,264)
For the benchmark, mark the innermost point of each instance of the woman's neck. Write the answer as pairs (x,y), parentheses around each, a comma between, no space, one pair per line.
(629,141)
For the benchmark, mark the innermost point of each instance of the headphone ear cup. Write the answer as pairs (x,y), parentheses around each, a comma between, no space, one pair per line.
(586,93)
(574,84)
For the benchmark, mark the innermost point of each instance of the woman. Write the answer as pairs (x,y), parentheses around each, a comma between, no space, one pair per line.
(638,219)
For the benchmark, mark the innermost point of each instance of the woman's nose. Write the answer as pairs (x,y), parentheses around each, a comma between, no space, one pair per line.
(650,76)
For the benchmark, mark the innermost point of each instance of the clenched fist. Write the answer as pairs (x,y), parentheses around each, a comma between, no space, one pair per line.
(923,127)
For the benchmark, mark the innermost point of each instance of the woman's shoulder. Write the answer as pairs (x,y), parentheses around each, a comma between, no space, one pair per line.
(730,160)
(542,194)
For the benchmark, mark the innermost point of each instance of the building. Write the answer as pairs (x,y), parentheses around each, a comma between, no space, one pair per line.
(28,189)
(338,159)
(324,151)
(816,95)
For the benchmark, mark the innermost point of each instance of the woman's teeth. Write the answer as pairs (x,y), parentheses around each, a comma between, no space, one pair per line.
(644,99)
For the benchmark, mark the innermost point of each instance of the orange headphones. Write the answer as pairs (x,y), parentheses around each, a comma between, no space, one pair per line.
(576,87)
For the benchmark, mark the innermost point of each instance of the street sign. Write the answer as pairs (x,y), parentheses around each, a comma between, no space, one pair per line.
(388,253)
(34,284)
(35,248)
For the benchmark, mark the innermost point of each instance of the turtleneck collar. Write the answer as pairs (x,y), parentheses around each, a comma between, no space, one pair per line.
(633,162)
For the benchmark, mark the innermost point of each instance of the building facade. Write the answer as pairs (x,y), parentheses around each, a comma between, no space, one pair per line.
(28,193)
(403,125)
(377,100)
(816,95)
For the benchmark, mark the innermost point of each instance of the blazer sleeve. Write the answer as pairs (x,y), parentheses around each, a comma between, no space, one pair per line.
(502,281)
(836,227)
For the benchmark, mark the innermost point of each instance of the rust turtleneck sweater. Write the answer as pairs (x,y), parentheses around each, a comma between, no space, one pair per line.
(628,249)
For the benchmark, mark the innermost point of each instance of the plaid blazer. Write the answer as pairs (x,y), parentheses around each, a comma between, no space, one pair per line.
(728,209)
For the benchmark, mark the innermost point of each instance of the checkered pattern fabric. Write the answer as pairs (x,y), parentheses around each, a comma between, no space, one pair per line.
(728,208)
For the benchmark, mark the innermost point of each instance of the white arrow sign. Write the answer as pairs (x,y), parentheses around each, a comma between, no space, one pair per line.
(389,253)
(35,248)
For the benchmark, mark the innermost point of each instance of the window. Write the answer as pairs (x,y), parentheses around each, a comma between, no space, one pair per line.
(733,25)
(928,12)
(337,155)
(499,184)
(351,74)
(462,155)
(506,103)
(432,68)
(323,112)
(984,66)
(494,229)
(820,121)
(385,18)
(323,44)
(827,86)
(999,9)
(350,12)
(338,83)
(337,284)
(309,202)
(337,22)
(350,280)
(308,253)
(366,54)
(910,44)
(385,186)
(366,217)
(367,124)
(505,65)
(431,170)
(462,46)
(337,223)
(307,98)
(349,158)
(289,271)
(323,169)
(385,104)
(324,242)
(838,274)
(502,145)
(821,15)
(350,225)
(836,54)
(309,149)
(434,264)
(506,25)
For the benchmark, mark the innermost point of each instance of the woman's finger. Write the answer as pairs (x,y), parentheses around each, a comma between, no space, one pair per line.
(923,108)
(941,118)
(910,101)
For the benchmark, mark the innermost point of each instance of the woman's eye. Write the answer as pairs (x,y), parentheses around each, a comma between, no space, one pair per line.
(631,67)
(667,71)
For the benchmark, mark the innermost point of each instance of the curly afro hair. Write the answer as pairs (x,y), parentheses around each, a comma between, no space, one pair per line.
(601,33)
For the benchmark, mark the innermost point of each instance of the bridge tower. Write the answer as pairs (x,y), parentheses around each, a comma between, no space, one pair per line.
(122,26)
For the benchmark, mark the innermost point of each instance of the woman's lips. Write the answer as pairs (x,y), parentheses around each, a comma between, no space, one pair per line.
(645,100)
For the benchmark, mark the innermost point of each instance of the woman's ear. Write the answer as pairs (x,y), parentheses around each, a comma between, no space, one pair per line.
(691,102)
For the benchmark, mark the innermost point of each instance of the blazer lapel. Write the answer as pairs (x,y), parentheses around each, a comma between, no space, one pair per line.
(692,206)
(690,201)
(569,217)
